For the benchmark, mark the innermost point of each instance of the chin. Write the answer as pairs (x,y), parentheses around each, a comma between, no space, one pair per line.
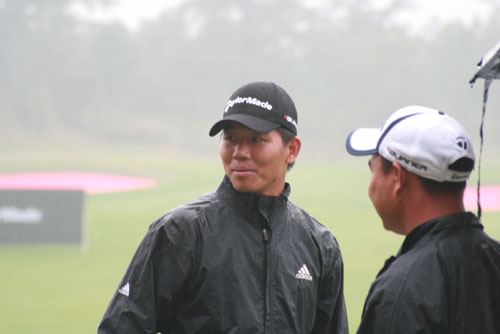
(393,228)
(243,186)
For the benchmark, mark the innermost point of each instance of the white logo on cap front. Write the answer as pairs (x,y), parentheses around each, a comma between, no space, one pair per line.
(248,100)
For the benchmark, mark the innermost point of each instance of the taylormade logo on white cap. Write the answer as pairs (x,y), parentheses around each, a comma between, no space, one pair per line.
(407,161)
(248,100)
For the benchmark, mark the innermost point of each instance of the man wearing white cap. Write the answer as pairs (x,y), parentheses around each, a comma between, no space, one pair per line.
(446,276)
(242,259)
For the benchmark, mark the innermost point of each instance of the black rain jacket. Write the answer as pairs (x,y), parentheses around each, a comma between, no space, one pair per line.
(231,262)
(445,279)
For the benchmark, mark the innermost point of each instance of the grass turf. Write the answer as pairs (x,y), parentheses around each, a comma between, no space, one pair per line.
(66,288)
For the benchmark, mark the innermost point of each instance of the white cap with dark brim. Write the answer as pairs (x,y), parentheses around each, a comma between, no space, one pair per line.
(423,140)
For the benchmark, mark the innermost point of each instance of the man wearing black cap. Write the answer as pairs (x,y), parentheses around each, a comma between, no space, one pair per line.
(242,259)
(446,276)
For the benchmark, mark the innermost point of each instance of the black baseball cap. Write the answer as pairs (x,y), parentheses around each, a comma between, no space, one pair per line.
(261,107)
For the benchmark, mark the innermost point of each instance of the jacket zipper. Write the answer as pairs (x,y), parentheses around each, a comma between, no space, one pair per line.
(265,237)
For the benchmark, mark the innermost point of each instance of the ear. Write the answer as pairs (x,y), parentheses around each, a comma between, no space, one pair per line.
(293,150)
(400,178)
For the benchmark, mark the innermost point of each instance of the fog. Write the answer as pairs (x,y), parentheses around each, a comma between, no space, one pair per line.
(67,81)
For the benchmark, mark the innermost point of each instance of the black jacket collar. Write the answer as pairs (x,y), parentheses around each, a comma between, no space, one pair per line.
(271,207)
(437,227)
(434,228)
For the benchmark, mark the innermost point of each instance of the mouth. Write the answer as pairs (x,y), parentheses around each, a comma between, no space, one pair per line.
(242,171)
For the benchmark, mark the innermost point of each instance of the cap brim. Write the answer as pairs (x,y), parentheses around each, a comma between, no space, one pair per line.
(251,122)
(363,141)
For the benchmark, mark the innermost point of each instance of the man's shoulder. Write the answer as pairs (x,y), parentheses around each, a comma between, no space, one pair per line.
(303,220)
(415,267)
(305,217)
(429,262)
(189,211)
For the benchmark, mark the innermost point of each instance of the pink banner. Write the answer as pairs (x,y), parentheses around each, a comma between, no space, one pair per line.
(490,198)
(91,183)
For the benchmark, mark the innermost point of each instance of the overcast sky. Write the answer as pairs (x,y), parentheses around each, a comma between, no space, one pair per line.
(418,15)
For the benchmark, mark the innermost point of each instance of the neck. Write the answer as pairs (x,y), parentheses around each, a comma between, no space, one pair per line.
(424,207)
(419,204)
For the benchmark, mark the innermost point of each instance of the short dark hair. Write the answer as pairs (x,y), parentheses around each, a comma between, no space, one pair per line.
(386,165)
(450,188)
(286,136)
(441,188)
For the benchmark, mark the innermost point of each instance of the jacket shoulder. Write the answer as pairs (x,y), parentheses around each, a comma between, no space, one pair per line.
(189,211)
(307,220)
(313,227)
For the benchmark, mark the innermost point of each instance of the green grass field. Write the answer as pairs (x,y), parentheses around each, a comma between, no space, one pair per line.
(66,288)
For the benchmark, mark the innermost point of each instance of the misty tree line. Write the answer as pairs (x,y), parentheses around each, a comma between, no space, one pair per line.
(64,79)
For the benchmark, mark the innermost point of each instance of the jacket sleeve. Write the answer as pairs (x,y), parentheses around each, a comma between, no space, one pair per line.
(331,315)
(148,293)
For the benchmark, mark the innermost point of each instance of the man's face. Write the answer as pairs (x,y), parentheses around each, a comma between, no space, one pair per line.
(256,162)
(380,192)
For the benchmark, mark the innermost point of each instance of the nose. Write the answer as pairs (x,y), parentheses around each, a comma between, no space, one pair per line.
(241,151)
